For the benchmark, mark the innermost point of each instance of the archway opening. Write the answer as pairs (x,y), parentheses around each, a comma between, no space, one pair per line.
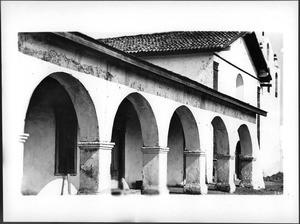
(176,158)
(183,137)
(51,150)
(134,127)
(245,157)
(126,166)
(55,123)
(220,152)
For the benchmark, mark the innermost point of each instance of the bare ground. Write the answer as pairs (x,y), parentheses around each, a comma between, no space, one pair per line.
(273,186)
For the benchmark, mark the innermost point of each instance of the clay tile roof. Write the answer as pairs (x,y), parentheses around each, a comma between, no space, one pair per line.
(174,41)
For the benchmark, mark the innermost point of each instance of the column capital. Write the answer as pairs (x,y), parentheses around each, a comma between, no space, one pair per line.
(154,149)
(92,146)
(247,158)
(23,137)
(197,153)
(220,156)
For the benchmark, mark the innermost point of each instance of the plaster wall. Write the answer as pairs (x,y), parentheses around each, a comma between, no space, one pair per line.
(39,152)
(198,67)
(239,56)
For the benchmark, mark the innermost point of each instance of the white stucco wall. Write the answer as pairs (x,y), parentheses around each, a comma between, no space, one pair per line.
(270,142)
(198,67)
(239,56)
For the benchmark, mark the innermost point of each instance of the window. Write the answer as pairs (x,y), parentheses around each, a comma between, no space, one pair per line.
(66,144)
(239,87)
(276,85)
(268,51)
(215,75)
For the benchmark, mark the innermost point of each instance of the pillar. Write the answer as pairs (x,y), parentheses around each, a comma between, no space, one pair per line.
(19,166)
(246,163)
(155,170)
(95,160)
(195,172)
(225,174)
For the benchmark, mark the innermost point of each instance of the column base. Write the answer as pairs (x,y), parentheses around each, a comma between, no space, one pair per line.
(91,192)
(154,191)
(87,192)
(246,184)
(194,188)
(226,187)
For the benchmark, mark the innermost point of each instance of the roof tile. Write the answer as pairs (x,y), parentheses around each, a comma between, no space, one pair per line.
(174,41)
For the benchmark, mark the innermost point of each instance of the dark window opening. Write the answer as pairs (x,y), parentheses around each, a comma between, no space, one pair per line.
(66,140)
(276,85)
(237,160)
(215,75)
(268,51)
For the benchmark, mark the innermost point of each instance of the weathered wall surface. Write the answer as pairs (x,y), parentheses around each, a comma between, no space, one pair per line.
(77,60)
(198,67)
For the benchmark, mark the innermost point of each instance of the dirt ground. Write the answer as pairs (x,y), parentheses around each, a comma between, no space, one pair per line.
(273,186)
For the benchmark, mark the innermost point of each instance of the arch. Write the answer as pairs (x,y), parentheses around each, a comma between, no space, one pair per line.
(221,142)
(183,136)
(221,154)
(190,128)
(134,127)
(60,108)
(245,140)
(146,118)
(239,87)
(245,157)
(83,104)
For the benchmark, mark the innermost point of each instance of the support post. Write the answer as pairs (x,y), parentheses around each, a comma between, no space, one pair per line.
(154,170)
(225,176)
(95,160)
(19,156)
(195,172)
(246,164)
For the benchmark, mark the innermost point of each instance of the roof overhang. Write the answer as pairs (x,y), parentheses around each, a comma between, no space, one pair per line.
(257,57)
